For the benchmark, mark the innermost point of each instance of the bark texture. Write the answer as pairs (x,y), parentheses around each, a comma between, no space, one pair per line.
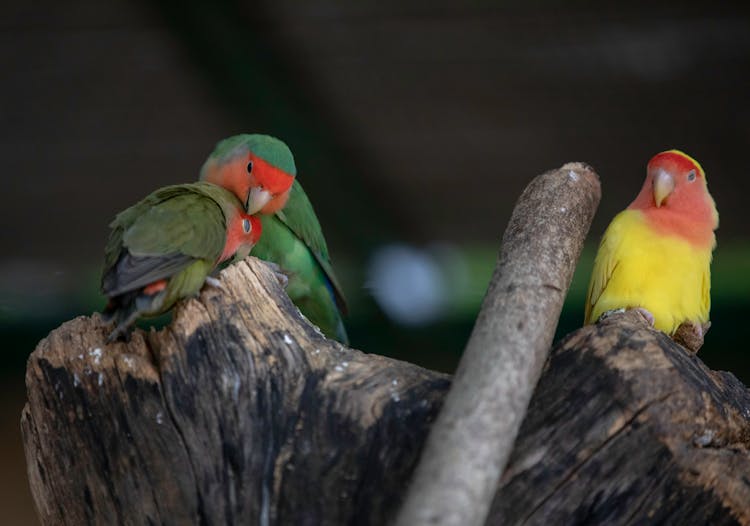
(628,427)
(470,442)
(238,413)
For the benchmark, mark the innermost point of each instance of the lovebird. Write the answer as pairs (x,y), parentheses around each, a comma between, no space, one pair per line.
(164,248)
(292,237)
(258,169)
(656,254)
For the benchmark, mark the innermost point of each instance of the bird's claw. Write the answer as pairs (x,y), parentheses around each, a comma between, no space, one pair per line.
(691,335)
(213,282)
(607,313)
(281,276)
(647,316)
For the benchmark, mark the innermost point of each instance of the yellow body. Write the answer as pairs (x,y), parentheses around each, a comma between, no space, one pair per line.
(639,267)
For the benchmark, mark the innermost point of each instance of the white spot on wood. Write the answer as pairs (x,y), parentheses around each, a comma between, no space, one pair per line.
(316,351)
(287,339)
(344,364)
(236,389)
(76,380)
(128,361)
(394,382)
(159,418)
(339,369)
(80,356)
(100,379)
(395,397)
(563,209)
(705,439)
(572,175)
(96,354)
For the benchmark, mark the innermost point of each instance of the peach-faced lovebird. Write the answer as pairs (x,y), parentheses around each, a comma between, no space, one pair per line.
(258,169)
(292,237)
(164,247)
(656,254)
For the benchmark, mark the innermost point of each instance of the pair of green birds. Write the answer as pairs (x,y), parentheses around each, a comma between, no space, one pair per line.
(165,247)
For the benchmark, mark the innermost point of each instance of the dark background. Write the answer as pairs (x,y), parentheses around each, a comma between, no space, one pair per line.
(415,126)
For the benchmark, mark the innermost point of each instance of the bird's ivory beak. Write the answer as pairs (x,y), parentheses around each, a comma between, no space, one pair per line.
(257,199)
(663,186)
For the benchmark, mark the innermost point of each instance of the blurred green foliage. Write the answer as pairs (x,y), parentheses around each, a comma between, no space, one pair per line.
(438,345)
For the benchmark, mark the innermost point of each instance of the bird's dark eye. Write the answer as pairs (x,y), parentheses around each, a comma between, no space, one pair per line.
(246,226)
(691,175)
(250,167)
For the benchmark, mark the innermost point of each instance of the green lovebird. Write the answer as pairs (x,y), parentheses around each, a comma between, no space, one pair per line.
(292,237)
(258,169)
(163,248)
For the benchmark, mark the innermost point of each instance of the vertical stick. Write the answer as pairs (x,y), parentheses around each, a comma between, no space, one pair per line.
(472,438)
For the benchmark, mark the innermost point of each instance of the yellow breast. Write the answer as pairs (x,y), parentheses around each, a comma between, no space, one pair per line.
(637,267)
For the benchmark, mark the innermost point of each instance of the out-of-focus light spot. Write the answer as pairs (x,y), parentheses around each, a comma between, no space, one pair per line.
(408,284)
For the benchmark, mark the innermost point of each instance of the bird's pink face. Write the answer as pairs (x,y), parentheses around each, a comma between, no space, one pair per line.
(262,187)
(677,180)
(675,197)
(674,181)
(243,233)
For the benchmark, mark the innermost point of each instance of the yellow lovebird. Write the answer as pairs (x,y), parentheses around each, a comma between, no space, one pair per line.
(656,254)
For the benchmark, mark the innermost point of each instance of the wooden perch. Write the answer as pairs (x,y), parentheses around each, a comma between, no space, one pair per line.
(470,443)
(628,427)
(240,412)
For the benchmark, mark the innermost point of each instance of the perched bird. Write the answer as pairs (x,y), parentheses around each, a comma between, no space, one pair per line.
(292,237)
(656,254)
(258,169)
(164,247)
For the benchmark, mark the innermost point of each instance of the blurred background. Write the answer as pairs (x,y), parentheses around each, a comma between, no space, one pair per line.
(415,126)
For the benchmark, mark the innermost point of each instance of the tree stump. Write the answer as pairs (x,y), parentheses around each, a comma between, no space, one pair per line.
(204,422)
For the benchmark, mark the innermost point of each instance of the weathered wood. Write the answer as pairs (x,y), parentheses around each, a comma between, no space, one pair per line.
(238,413)
(627,427)
(241,414)
(473,436)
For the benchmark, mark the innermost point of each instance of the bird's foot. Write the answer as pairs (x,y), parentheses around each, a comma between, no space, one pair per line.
(213,282)
(121,332)
(690,335)
(281,276)
(647,316)
(607,313)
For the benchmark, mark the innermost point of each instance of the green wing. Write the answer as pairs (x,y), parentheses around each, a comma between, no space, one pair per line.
(298,215)
(162,235)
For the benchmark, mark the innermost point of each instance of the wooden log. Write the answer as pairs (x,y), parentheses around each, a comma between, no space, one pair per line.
(239,413)
(627,427)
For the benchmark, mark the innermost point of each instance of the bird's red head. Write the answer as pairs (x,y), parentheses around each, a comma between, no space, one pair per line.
(675,196)
(243,232)
(262,187)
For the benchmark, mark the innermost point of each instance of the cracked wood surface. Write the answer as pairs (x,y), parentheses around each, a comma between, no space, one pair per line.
(237,413)
(627,427)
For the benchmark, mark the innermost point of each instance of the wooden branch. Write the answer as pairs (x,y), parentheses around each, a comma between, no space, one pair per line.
(469,444)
